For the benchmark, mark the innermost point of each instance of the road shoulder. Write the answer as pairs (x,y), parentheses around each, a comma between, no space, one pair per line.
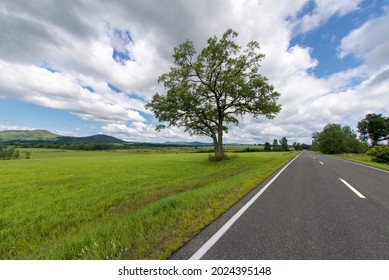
(194,244)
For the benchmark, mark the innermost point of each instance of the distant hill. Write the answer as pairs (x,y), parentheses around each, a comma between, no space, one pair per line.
(100,138)
(27,135)
(45,136)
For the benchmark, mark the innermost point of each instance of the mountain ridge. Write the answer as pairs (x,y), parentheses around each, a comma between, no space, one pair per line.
(40,135)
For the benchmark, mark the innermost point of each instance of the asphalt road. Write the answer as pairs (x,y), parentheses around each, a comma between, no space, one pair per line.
(318,208)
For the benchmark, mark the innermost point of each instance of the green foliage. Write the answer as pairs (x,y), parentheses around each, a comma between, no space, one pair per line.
(276,147)
(280,145)
(28,155)
(90,146)
(335,139)
(267,147)
(306,147)
(379,154)
(315,141)
(284,144)
(374,127)
(299,147)
(8,153)
(251,150)
(118,205)
(208,92)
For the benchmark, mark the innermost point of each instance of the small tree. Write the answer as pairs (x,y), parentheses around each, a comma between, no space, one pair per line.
(2,151)
(297,146)
(208,92)
(284,144)
(275,145)
(267,147)
(315,141)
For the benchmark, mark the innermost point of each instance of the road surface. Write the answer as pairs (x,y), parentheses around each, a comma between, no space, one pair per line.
(317,208)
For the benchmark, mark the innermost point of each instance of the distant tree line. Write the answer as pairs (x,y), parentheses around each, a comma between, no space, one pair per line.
(90,146)
(338,139)
(299,147)
(282,145)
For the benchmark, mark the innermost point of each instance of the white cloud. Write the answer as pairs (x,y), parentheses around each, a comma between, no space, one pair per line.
(141,132)
(63,91)
(14,127)
(370,42)
(323,11)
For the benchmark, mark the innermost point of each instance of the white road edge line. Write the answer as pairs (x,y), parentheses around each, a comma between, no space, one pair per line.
(204,249)
(352,188)
(360,164)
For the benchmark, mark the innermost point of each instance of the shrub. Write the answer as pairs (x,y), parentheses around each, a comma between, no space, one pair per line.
(379,154)
(10,153)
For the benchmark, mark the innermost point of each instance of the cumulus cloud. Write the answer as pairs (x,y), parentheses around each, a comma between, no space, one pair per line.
(141,132)
(323,11)
(13,127)
(40,86)
(369,42)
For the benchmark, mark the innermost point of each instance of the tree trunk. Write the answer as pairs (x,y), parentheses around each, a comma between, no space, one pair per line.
(219,153)
(214,138)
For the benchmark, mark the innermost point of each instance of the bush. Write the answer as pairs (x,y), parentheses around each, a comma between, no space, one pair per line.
(10,153)
(250,150)
(379,154)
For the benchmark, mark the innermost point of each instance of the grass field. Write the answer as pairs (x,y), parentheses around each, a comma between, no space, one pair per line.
(364,159)
(118,205)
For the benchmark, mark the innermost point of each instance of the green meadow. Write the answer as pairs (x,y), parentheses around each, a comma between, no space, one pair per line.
(118,205)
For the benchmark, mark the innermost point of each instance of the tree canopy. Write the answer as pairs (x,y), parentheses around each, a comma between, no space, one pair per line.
(207,92)
(335,139)
(374,127)
(284,144)
(8,153)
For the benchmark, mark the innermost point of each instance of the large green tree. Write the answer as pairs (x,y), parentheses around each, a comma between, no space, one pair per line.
(374,127)
(335,139)
(207,92)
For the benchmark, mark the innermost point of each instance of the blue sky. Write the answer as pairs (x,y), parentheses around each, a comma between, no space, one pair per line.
(326,39)
(82,68)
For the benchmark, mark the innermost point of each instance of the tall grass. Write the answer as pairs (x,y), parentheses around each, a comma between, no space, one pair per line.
(117,205)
